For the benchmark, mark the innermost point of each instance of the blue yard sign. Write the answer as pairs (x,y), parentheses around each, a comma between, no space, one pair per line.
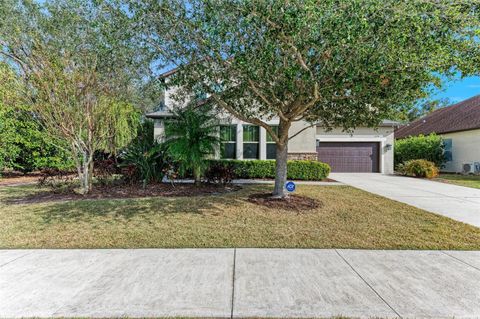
(290,186)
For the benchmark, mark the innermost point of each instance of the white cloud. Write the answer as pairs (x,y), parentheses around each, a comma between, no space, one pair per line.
(474,86)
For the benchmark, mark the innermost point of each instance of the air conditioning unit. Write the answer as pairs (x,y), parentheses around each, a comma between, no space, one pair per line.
(468,168)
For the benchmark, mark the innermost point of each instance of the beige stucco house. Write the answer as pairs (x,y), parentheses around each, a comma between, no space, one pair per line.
(459,126)
(364,150)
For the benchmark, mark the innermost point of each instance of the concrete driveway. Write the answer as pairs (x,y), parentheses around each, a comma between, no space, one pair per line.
(457,202)
(227,283)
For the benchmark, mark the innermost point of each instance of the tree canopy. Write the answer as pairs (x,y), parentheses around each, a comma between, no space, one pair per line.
(82,72)
(340,63)
(24,144)
(420,109)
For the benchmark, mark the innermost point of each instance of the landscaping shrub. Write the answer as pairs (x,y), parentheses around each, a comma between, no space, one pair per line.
(297,169)
(191,138)
(419,168)
(307,170)
(143,159)
(104,169)
(57,180)
(24,144)
(171,171)
(254,168)
(429,148)
(220,172)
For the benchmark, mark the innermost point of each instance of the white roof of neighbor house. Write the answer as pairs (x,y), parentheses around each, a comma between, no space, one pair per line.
(160,114)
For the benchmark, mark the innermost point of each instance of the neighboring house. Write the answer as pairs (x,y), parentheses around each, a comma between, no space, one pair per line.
(365,150)
(459,126)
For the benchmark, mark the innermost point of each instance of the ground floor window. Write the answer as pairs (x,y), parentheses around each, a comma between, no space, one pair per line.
(228,137)
(271,146)
(447,144)
(251,141)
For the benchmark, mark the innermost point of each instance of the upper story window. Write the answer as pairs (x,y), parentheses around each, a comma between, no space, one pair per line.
(200,93)
(228,136)
(447,146)
(161,106)
(251,141)
(271,146)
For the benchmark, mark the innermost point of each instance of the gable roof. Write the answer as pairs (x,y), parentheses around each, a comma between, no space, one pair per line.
(168,73)
(462,116)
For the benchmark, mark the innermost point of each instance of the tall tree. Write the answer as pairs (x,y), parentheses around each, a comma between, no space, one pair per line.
(81,72)
(24,145)
(340,63)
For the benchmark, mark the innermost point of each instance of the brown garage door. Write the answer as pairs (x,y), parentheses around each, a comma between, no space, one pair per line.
(349,157)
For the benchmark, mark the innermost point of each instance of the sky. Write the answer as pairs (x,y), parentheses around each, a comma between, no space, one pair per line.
(459,90)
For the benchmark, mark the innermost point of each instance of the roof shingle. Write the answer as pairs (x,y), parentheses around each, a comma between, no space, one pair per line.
(462,116)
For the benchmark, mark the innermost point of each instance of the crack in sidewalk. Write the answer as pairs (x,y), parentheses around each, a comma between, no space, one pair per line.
(460,260)
(11,261)
(233,281)
(370,286)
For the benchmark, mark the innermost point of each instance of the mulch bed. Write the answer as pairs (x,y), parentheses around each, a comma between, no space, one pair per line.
(126,191)
(295,203)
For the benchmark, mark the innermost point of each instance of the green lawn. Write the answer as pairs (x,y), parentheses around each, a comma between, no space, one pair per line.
(347,218)
(461,180)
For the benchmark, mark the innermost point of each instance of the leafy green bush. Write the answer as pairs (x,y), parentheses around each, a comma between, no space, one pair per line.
(220,172)
(419,168)
(429,148)
(191,138)
(296,169)
(254,168)
(143,159)
(25,146)
(307,170)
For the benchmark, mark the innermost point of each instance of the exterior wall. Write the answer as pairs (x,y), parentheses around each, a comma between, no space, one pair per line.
(302,156)
(301,146)
(465,149)
(382,135)
(303,143)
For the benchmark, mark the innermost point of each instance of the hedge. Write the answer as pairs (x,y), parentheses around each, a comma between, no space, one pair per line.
(296,169)
(428,147)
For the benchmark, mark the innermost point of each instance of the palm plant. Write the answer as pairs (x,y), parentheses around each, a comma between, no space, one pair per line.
(192,136)
(145,155)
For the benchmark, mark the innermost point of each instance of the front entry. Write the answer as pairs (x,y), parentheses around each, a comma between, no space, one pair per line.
(352,157)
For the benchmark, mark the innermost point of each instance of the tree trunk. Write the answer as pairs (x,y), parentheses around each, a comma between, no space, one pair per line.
(90,171)
(280,171)
(84,176)
(85,173)
(197,176)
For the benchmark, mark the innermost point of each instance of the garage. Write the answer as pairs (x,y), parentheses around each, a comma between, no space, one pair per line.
(352,157)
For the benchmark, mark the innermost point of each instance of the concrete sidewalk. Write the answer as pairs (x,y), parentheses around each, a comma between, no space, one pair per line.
(453,201)
(239,283)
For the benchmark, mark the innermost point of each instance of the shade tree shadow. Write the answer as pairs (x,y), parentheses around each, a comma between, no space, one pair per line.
(111,210)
